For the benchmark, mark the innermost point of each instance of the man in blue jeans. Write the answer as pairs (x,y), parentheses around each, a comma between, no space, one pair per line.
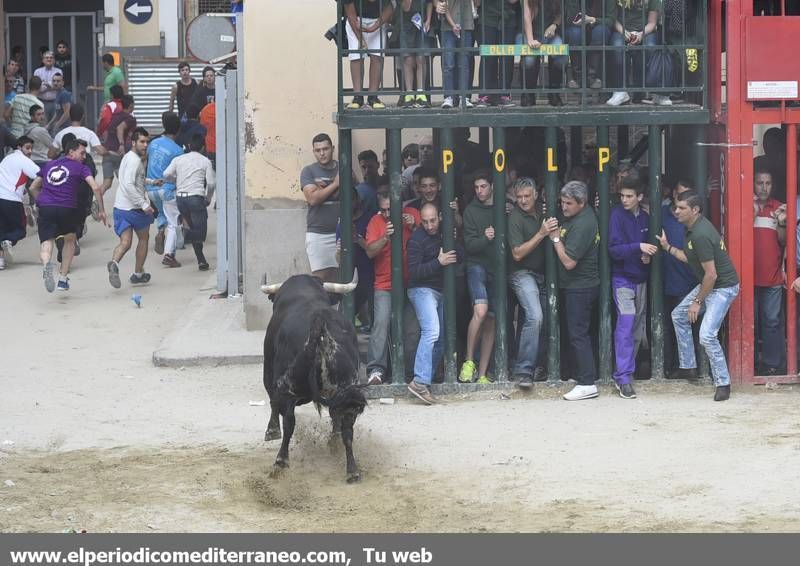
(705,253)
(527,229)
(576,243)
(426,262)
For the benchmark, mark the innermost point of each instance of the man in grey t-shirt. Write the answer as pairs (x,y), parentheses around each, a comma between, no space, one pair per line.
(320,183)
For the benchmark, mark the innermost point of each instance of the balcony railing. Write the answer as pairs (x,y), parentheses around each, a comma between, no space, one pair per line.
(576,53)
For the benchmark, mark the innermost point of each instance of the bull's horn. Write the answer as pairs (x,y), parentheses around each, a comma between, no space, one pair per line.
(269,289)
(342,288)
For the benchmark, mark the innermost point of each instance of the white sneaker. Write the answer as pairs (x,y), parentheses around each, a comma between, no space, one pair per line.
(6,245)
(468,103)
(448,102)
(620,97)
(661,100)
(581,392)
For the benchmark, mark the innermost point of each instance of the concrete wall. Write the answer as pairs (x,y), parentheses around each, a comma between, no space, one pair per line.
(132,39)
(288,99)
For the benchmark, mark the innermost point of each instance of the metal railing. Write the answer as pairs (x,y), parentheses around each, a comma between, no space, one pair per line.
(577,52)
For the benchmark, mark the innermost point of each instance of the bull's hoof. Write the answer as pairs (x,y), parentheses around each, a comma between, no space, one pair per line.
(353,477)
(272,434)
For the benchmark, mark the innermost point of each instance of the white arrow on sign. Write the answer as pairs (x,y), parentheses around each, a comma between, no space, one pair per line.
(135,9)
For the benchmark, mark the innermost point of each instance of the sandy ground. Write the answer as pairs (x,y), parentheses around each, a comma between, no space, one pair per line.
(93,437)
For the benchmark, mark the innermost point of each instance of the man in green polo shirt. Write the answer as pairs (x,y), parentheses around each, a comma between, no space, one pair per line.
(705,253)
(527,229)
(113,77)
(576,244)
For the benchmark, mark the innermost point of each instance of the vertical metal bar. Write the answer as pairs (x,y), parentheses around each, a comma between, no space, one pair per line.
(346,217)
(575,146)
(339,64)
(28,68)
(241,257)
(73,63)
(791,248)
(222,187)
(551,266)
(232,182)
(603,184)
(398,294)
(656,283)
(448,243)
(500,284)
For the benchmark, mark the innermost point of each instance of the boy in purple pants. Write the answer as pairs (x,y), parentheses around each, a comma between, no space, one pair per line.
(628,230)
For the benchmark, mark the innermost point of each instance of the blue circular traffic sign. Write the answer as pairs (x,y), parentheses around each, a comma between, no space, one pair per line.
(138,11)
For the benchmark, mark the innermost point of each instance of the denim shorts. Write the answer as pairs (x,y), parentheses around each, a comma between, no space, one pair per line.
(481,286)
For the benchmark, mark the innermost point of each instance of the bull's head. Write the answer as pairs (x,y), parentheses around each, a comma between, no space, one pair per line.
(338,288)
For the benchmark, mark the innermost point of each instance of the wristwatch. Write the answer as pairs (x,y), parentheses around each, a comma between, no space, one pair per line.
(556,239)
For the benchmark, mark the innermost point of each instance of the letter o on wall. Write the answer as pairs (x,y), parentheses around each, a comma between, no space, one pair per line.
(500,160)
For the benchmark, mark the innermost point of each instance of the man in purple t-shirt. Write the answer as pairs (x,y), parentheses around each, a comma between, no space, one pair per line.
(56,193)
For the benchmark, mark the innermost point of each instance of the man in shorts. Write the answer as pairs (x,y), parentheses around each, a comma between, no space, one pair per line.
(15,170)
(132,210)
(366,29)
(56,193)
(320,183)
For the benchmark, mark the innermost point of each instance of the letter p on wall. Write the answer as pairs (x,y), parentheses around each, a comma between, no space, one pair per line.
(447,159)
(603,157)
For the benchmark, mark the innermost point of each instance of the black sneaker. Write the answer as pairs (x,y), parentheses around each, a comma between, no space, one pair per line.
(722,393)
(527,99)
(525,382)
(375,103)
(625,390)
(202,266)
(357,102)
(554,99)
(682,373)
(139,279)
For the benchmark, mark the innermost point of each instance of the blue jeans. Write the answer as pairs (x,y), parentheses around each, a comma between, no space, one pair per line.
(531,65)
(497,72)
(716,307)
(651,78)
(455,66)
(481,287)
(379,336)
(429,306)
(769,314)
(526,286)
(595,35)
(578,305)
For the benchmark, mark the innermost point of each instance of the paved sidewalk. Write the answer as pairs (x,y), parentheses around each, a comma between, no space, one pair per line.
(212,334)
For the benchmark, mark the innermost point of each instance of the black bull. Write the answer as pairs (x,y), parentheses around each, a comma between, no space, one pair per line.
(311,356)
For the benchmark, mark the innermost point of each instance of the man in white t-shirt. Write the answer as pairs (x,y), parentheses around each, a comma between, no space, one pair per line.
(15,171)
(76,115)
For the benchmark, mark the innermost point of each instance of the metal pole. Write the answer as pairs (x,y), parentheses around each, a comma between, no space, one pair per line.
(656,278)
(222,187)
(551,266)
(500,284)
(398,293)
(232,182)
(448,243)
(791,248)
(603,182)
(241,257)
(346,217)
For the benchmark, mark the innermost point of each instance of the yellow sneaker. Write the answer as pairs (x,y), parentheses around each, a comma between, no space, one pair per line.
(467,371)
(483,380)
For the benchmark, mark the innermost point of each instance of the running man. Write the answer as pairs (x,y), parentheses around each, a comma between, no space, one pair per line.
(15,170)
